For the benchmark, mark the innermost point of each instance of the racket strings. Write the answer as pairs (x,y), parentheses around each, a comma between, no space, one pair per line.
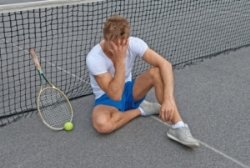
(54,108)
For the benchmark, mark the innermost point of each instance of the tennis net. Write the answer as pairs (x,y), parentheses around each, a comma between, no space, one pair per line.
(63,32)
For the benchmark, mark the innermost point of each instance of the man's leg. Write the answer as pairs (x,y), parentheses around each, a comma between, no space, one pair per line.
(147,80)
(178,131)
(106,119)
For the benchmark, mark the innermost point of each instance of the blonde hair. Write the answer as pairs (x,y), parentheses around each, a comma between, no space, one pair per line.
(116,27)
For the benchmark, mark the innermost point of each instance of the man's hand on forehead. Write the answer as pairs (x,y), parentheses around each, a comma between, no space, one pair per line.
(119,42)
(118,48)
(123,42)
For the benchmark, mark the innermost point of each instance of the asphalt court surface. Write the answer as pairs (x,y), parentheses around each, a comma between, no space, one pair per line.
(213,98)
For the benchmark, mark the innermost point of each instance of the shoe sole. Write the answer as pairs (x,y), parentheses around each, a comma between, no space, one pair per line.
(183,143)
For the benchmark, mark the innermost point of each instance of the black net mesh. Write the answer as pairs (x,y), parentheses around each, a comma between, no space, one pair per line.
(183,31)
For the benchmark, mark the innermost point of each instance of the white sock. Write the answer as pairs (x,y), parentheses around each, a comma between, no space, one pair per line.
(142,111)
(179,124)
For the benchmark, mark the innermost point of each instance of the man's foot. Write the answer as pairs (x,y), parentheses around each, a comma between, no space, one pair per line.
(183,136)
(149,108)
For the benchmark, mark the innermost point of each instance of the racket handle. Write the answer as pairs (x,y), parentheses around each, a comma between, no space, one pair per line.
(35,58)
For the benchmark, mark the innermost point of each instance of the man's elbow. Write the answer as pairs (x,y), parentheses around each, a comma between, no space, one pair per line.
(116,98)
(167,64)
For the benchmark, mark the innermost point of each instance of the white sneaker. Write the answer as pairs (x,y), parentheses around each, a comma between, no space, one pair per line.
(150,108)
(183,136)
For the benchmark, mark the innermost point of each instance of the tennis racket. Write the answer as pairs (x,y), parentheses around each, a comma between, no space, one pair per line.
(53,105)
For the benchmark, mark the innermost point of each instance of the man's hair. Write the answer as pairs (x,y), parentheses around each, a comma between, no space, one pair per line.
(116,27)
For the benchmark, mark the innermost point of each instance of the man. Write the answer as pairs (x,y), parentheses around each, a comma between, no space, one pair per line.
(118,98)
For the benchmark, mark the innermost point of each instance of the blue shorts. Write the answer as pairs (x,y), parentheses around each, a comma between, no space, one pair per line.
(126,103)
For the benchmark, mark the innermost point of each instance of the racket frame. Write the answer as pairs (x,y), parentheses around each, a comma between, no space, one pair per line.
(44,81)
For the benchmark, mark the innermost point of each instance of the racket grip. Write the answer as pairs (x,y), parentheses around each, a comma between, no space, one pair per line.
(35,58)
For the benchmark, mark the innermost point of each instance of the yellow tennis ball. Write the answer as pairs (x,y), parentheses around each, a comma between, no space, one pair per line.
(68,126)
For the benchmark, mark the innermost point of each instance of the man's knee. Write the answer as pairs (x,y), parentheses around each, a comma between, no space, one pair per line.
(154,73)
(102,125)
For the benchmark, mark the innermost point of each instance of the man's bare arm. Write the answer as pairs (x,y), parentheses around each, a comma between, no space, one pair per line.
(113,86)
(166,71)
(168,105)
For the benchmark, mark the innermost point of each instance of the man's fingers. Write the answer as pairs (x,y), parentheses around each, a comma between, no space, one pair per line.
(171,114)
(113,45)
(125,42)
(119,44)
(162,115)
(122,42)
(167,115)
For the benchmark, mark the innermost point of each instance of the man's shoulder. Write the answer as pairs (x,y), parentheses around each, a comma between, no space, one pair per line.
(95,60)
(133,38)
(137,46)
(94,53)
(136,40)
(95,50)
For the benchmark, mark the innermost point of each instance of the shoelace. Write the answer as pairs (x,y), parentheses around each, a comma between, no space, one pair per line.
(186,132)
